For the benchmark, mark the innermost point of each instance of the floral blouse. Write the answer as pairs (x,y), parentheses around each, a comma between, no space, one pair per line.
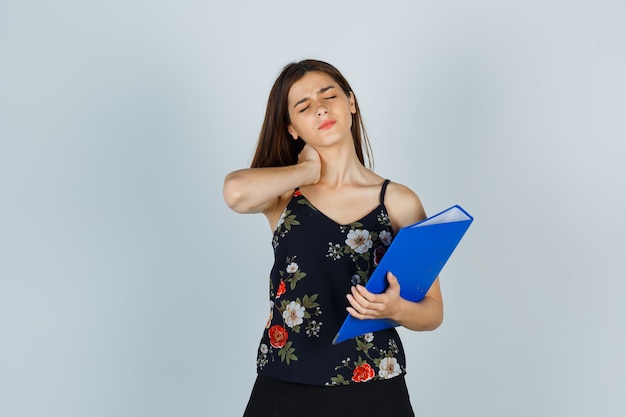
(316,262)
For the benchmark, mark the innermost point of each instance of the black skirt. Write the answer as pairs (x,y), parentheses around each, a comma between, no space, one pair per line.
(274,398)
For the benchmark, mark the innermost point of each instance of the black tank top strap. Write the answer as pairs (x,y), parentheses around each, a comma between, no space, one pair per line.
(382,191)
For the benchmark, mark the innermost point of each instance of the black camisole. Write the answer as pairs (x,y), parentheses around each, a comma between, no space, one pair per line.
(316,261)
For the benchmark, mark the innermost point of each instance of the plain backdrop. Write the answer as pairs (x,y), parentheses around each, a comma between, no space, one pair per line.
(127,287)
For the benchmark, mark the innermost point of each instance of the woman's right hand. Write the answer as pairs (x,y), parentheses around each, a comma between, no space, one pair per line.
(311,158)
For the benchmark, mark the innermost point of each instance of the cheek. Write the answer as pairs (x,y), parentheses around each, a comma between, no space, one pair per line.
(299,123)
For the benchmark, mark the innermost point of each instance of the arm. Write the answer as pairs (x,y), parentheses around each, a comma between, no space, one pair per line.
(404,208)
(257,190)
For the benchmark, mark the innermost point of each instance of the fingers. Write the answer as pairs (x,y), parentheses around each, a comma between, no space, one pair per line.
(308,153)
(367,305)
(363,296)
(311,158)
(393,282)
(363,303)
(354,313)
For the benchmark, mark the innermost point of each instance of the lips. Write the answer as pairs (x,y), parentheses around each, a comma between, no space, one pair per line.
(327,124)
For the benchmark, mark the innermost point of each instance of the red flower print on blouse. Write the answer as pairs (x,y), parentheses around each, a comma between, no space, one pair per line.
(282,288)
(278,336)
(363,373)
(378,254)
(297,193)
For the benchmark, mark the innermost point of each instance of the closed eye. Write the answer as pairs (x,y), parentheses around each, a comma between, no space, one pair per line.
(305,109)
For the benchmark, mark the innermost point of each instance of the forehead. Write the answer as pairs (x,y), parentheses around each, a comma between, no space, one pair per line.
(310,84)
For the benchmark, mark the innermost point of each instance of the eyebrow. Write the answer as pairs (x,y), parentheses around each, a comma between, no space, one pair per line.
(321,91)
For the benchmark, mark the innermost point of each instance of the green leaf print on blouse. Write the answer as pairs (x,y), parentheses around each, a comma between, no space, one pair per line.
(295,314)
(371,363)
(292,274)
(286,353)
(285,222)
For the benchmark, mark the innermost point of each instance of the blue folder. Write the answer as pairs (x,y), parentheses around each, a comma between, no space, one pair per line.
(416,256)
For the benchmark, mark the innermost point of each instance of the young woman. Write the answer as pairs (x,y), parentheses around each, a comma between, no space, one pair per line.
(332,219)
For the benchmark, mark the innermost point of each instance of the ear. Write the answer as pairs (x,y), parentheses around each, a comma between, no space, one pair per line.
(352,103)
(292,132)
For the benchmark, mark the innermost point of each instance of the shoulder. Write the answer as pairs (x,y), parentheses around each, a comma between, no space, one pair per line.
(403,205)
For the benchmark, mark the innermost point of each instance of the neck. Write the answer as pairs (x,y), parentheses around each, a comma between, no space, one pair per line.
(340,166)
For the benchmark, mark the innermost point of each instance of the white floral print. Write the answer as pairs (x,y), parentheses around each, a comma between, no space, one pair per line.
(293,314)
(281,220)
(359,240)
(385,237)
(292,268)
(313,329)
(389,368)
(334,251)
(369,358)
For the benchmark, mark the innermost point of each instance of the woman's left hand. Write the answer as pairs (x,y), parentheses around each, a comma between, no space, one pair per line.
(367,305)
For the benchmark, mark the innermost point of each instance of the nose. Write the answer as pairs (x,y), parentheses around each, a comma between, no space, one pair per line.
(321,111)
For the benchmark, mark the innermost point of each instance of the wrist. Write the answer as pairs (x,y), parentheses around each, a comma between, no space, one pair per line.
(311,171)
(399,313)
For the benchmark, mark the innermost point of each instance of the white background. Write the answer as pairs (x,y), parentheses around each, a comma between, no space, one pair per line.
(127,288)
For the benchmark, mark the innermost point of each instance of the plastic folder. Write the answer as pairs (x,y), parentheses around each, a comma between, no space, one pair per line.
(416,256)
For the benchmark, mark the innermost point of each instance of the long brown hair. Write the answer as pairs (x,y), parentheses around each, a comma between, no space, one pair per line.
(275,146)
